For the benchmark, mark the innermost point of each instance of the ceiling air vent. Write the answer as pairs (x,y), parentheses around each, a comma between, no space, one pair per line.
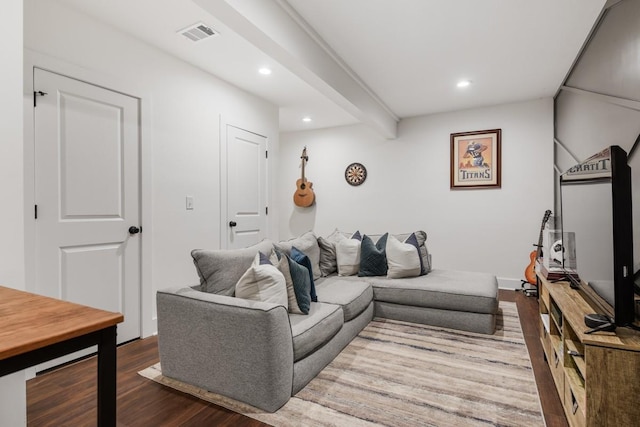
(198,32)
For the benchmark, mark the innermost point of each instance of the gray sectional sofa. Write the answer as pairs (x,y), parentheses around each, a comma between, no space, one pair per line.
(261,354)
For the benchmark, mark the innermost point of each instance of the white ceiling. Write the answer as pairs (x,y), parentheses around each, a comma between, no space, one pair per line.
(401,57)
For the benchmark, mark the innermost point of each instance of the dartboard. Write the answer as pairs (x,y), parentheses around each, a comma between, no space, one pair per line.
(355,174)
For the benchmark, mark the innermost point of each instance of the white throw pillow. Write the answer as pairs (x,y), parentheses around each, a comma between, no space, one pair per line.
(403,259)
(263,282)
(348,257)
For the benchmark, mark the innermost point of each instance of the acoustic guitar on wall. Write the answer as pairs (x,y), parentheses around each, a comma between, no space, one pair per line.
(304,196)
(530,271)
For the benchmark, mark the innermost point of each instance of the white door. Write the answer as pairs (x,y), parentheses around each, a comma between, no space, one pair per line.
(87,195)
(246,188)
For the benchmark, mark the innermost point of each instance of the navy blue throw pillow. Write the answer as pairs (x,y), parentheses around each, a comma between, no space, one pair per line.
(301,285)
(264,259)
(373,257)
(301,258)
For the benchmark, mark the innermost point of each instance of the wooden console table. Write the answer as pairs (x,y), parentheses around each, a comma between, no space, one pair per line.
(35,329)
(597,376)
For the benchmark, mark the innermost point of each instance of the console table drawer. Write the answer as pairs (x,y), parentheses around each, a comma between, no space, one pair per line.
(573,408)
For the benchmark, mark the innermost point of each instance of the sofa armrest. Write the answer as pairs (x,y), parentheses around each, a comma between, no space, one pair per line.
(234,347)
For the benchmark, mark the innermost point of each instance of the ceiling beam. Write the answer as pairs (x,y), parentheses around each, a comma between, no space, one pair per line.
(276,29)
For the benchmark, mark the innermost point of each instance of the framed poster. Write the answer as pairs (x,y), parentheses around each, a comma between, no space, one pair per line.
(475,159)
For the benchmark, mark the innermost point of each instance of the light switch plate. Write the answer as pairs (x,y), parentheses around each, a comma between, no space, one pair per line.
(189,203)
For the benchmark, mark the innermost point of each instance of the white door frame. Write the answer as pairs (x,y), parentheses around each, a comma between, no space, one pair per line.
(224,122)
(32,59)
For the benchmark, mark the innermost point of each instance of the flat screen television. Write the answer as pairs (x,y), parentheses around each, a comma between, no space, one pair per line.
(596,212)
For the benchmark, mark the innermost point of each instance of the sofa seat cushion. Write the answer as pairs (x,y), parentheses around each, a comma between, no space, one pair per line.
(352,295)
(313,330)
(441,289)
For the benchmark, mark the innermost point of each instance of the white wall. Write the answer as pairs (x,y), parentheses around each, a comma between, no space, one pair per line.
(490,230)
(12,387)
(181,111)
(11,152)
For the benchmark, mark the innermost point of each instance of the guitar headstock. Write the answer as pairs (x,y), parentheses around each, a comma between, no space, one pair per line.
(304,154)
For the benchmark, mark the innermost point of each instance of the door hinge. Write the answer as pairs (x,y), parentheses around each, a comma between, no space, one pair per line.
(37,93)
(266,210)
(35,211)
(266,154)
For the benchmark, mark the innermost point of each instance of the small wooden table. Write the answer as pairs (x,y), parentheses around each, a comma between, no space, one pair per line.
(35,329)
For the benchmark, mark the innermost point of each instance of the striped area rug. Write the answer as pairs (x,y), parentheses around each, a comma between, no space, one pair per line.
(403,374)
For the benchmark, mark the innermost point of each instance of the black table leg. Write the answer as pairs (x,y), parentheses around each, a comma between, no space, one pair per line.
(107,378)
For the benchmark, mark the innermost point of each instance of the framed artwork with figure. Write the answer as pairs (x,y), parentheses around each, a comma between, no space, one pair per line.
(475,159)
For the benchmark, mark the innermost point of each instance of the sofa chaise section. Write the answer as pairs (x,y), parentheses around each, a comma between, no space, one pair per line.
(461,300)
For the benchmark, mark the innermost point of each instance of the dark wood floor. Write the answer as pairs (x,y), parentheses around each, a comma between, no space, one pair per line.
(529,320)
(66,396)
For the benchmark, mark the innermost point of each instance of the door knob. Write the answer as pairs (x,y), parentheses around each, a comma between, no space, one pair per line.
(134,230)
(232,223)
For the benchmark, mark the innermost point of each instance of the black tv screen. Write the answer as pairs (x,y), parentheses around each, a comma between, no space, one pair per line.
(597,215)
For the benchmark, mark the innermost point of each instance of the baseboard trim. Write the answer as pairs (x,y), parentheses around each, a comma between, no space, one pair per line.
(508,283)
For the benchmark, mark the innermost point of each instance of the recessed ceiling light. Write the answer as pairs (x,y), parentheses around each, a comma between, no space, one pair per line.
(265,71)
(306,119)
(464,83)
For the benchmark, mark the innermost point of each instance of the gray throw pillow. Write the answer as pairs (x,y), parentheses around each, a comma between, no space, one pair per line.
(421,236)
(373,258)
(328,258)
(219,270)
(307,243)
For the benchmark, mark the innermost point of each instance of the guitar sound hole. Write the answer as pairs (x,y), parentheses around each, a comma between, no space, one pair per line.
(303,186)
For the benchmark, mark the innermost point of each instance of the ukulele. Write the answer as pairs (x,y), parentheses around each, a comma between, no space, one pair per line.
(304,196)
(530,272)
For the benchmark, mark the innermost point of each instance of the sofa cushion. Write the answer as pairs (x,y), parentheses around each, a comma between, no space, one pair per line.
(219,270)
(442,289)
(353,296)
(373,257)
(348,255)
(307,243)
(316,329)
(263,282)
(328,259)
(403,258)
